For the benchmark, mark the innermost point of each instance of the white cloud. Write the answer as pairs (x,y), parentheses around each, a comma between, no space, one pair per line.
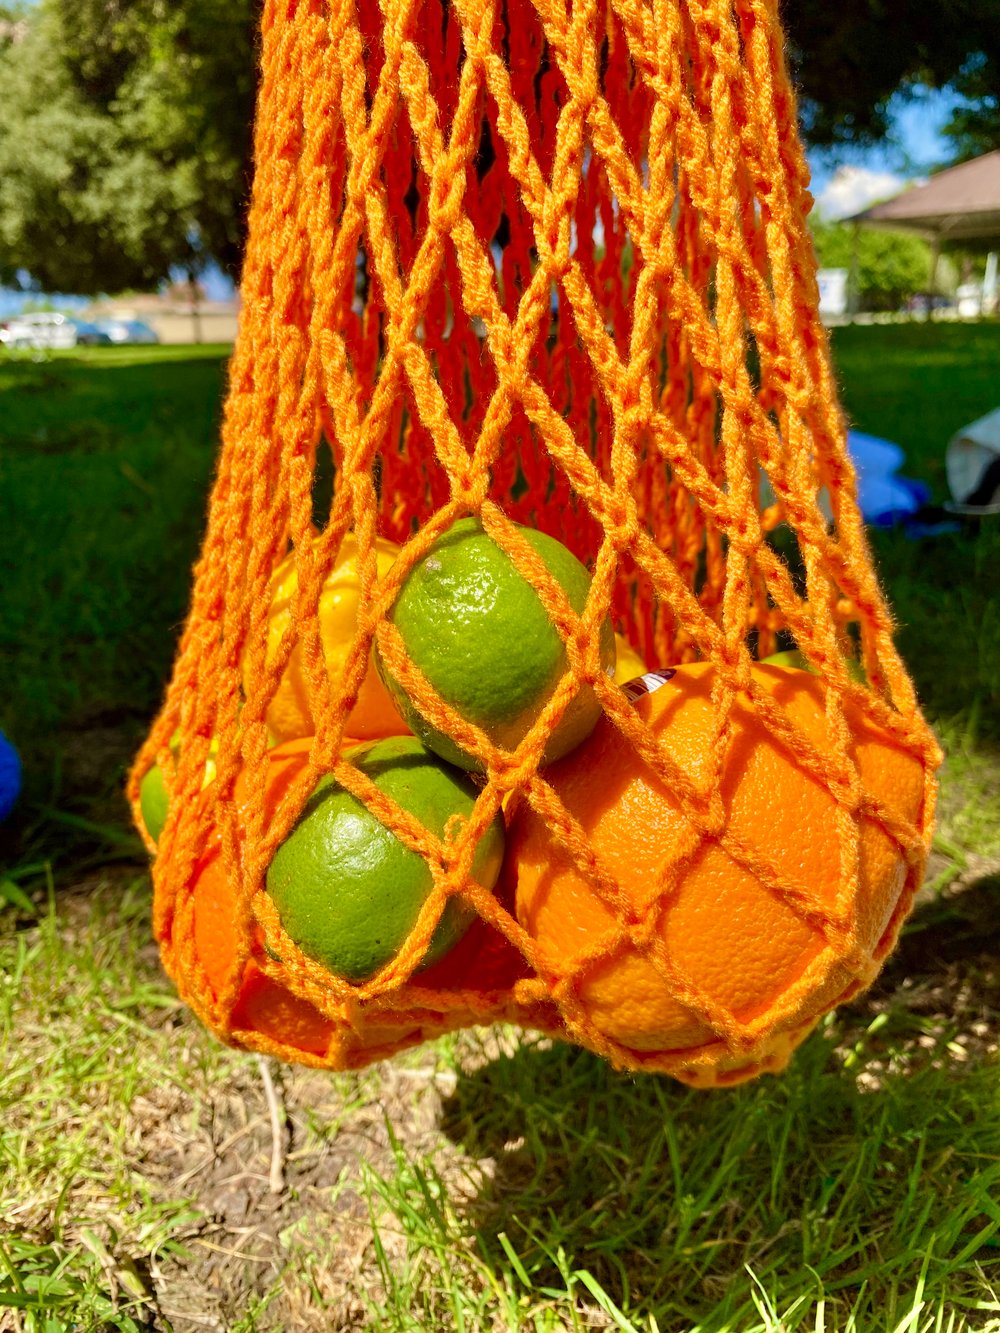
(850,189)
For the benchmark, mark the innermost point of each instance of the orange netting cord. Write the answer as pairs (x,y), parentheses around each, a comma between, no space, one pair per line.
(548,266)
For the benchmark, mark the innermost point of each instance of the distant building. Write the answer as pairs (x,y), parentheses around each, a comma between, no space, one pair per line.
(832,292)
(179,314)
(959,204)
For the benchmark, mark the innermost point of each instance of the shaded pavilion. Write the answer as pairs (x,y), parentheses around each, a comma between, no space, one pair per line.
(961,204)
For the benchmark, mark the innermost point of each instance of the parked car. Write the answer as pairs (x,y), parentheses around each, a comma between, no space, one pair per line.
(922,303)
(52,329)
(128,330)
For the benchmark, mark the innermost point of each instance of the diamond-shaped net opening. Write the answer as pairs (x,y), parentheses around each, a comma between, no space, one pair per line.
(548,267)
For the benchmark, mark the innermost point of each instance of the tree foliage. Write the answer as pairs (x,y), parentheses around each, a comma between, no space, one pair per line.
(891,266)
(850,58)
(124,144)
(975,124)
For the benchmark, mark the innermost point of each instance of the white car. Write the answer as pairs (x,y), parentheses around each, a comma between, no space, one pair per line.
(128,331)
(50,329)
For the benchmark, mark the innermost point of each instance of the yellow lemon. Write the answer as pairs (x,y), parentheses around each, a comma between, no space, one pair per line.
(628,663)
(288,716)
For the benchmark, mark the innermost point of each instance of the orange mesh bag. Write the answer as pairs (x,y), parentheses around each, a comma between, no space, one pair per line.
(548,267)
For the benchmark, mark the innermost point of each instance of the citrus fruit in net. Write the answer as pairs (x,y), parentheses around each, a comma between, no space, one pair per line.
(153,801)
(262,1004)
(628,663)
(736,942)
(153,798)
(482,960)
(481,636)
(289,714)
(794,657)
(265,1007)
(284,764)
(348,892)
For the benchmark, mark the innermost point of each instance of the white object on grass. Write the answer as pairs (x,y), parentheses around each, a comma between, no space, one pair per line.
(972,463)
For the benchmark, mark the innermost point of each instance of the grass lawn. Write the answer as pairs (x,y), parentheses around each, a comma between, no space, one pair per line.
(491,1180)
(105,460)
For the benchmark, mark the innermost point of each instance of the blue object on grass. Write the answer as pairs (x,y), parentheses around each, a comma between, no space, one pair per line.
(873,454)
(885,498)
(10,777)
(886,501)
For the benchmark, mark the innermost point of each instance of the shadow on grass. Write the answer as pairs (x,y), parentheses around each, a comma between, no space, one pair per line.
(876,1150)
(944,597)
(105,460)
(117,393)
(957,929)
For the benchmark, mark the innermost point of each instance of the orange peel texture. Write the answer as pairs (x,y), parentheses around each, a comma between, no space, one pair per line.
(702,952)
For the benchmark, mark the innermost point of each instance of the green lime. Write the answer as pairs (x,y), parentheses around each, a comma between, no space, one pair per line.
(481,636)
(348,892)
(793,657)
(153,799)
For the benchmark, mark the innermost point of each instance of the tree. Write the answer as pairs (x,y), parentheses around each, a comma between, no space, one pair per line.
(125,139)
(891,266)
(849,58)
(124,147)
(182,75)
(975,125)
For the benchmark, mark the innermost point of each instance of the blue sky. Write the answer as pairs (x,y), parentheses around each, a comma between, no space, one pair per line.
(914,146)
(916,142)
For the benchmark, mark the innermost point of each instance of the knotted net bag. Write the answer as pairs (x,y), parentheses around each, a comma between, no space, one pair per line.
(547,265)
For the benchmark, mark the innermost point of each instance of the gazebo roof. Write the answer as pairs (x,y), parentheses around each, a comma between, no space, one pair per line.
(960,203)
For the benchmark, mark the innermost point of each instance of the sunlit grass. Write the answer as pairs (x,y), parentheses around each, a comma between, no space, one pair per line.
(917,384)
(80,1044)
(487,1181)
(105,457)
(494,1182)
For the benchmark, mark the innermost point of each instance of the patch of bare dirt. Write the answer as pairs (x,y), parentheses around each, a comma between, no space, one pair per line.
(207,1136)
(330,1128)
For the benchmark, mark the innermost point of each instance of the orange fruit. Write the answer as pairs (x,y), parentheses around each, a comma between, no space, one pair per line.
(263,1005)
(284,764)
(480,634)
(288,715)
(483,960)
(753,963)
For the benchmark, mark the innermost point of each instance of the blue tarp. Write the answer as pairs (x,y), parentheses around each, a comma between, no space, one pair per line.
(885,496)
